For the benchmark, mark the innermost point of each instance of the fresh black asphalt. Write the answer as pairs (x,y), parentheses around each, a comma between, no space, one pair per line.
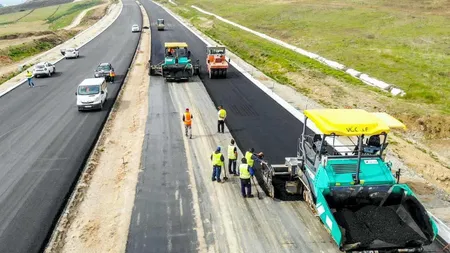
(162,219)
(44,140)
(254,119)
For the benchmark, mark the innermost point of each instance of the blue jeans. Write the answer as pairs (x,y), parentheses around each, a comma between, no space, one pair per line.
(246,184)
(216,173)
(30,82)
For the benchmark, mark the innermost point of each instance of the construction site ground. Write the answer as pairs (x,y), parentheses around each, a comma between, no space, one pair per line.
(429,177)
(177,208)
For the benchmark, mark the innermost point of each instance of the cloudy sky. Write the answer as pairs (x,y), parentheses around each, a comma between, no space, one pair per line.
(11,2)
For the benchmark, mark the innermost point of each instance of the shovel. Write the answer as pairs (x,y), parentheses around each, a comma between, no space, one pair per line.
(225,178)
(256,188)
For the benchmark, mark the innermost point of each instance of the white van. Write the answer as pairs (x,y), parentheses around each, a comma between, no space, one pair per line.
(91,94)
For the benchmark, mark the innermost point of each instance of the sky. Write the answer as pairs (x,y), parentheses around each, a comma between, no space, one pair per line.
(11,2)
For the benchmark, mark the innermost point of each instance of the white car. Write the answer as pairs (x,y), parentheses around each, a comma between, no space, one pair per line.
(44,68)
(71,53)
(135,28)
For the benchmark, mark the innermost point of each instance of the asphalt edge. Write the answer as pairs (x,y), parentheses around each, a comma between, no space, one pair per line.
(79,187)
(75,37)
(442,238)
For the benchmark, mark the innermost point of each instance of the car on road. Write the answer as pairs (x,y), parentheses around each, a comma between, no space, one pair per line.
(102,70)
(91,94)
(44,68)
(71,53)
(135,28)
(160,24)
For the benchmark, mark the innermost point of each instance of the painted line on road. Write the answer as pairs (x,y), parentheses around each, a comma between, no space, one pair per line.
(77,36)
(444,230)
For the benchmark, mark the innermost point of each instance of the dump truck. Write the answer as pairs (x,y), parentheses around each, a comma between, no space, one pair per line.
(342,175)
(177,64)
(216,63)
(160,24)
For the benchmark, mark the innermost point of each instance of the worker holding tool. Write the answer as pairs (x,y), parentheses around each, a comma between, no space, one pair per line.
(245,173)
(232,158)
(217,163)
(187,119)
(221,121)
(251,157)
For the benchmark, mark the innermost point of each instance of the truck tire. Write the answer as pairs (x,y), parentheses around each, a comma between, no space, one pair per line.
(49,74)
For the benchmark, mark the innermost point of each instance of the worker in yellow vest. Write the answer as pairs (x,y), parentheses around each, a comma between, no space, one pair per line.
(30,78)
(245,173)
(232,158)
(187,119)
(222,114)
(217,163)
(251,157)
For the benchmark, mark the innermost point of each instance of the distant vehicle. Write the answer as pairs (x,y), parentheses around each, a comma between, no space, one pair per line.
(216,63)
(91,94)
(102,70)
(135,28)
(160,24)
(70,53)
(44,68)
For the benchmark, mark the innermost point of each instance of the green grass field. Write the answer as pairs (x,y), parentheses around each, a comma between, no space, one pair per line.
(404,43)
(47,18)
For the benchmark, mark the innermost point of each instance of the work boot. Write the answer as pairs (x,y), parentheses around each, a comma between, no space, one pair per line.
(213,179)
(244,196)
(250,196)
(218,180)
(190,137)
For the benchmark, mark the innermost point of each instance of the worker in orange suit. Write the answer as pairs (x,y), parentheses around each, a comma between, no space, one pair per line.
(187,119)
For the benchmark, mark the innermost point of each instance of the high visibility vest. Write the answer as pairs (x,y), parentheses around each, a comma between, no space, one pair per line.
(112,73)
(187,119)
(29,75)
(248,157)
(231,154)
(216,159)
(244,172)
(222,114)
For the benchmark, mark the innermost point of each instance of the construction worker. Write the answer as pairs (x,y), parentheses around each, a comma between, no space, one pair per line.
(251,157)
(187,119)
(30,78)
(232,157)
(245,173)
(221,121)
(112,74)
(217,163)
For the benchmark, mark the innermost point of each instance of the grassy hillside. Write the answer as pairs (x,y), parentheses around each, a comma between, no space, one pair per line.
(47,18)
(403,42)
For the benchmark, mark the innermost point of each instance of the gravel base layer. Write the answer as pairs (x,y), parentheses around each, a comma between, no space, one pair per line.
(371,222)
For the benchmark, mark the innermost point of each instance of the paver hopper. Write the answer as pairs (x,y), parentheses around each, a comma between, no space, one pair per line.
(177,63)
(349,186)
(216,63)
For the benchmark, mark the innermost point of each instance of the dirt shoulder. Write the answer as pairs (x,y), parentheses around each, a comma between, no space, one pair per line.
(99,214)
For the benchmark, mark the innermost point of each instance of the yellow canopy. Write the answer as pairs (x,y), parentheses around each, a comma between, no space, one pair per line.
(175,44)
(347,122)
(390,121)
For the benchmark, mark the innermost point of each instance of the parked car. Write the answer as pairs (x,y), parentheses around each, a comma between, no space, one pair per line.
(44,68)
(102,70)
(70,53)
(91,94)
(135,28)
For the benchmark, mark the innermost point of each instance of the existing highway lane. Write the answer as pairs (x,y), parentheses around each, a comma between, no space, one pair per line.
(44,140)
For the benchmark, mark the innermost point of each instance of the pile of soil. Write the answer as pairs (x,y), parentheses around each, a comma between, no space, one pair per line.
(370,223)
